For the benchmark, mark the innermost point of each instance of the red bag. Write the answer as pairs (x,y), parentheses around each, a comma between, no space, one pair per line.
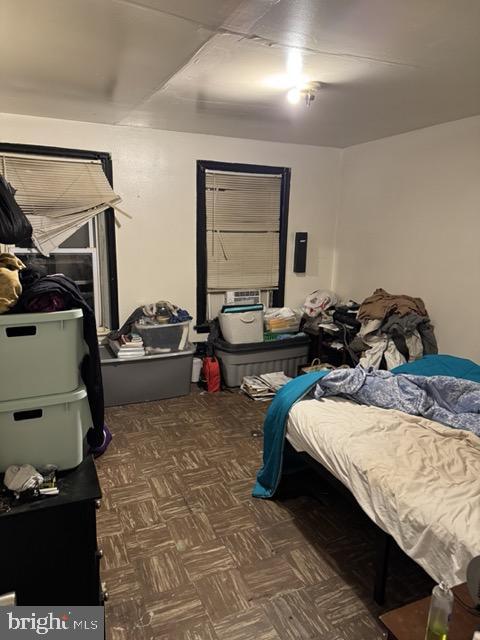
(211,374)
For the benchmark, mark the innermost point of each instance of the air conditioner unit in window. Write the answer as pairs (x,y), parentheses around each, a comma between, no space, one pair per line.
(243,297)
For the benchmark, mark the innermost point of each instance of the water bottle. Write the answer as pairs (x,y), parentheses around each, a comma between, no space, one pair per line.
(440,612)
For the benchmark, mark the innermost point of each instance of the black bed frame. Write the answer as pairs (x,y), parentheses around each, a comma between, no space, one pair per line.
(385,540)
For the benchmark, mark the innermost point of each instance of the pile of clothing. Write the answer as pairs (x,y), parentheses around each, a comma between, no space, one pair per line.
(394,329)
(10,286)
(383,332)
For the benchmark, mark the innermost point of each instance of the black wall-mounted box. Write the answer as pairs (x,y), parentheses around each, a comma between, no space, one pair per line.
(300,254)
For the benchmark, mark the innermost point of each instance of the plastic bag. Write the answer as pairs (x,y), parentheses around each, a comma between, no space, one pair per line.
(319,301)
(14,224)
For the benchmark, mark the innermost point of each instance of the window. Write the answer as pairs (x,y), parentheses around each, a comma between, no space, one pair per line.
(87,255)
(241,233)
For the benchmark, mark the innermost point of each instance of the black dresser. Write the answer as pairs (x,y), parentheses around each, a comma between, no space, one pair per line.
(48,548)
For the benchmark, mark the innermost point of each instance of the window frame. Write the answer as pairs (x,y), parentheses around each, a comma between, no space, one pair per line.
(205,165)
(106,161)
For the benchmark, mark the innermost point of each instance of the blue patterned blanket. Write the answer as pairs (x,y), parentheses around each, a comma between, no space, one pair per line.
(440,387)
(451,401)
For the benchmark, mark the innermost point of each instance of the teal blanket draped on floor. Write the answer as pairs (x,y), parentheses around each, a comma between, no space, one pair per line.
(274,460)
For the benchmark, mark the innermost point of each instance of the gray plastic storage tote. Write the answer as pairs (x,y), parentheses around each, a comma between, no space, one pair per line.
(146,378)
(237,361)
(45,430)
(40,353)
(163,338)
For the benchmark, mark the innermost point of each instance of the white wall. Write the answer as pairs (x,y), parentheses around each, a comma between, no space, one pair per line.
(410,222)
(155,174)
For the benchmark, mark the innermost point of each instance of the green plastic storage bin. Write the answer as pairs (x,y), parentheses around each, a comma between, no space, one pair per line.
(40,353)
(44,430)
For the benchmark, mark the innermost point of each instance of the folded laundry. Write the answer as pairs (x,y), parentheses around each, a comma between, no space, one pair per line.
(381,304)
(10,287)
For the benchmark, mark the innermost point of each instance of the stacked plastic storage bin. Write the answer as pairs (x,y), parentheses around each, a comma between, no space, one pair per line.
(44,411)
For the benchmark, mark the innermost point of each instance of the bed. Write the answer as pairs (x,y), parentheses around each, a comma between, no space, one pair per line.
(418,480)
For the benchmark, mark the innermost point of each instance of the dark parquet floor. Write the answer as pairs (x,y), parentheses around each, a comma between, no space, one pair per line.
(190,555)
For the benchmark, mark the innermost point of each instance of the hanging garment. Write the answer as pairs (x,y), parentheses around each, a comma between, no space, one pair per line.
(10,287)
(381,304)
(45,293)
(14,225)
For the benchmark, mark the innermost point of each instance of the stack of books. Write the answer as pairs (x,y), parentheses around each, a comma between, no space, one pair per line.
(264,386)
(127,347)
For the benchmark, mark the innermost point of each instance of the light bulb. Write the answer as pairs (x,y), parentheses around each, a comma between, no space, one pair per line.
(294,95)
(294,63)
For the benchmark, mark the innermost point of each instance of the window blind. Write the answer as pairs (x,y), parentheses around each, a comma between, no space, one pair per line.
(243,230)
(57,195)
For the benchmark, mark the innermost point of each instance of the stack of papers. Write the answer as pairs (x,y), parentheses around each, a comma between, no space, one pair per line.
(127,347)
(264,386)
(282,320)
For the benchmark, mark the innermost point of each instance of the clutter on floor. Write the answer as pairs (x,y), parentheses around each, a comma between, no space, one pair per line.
(317,365)
(264,386)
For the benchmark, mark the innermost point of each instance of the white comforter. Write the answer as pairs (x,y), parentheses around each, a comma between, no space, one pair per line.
(415,478)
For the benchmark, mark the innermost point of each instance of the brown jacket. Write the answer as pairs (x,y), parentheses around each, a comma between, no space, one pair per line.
(381,304)
(10,287)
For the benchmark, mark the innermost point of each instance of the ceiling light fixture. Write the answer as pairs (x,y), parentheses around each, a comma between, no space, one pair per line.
(294,81)
(294,95)
(306,91)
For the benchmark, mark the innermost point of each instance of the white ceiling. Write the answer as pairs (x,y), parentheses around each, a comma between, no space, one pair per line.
(206,65)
